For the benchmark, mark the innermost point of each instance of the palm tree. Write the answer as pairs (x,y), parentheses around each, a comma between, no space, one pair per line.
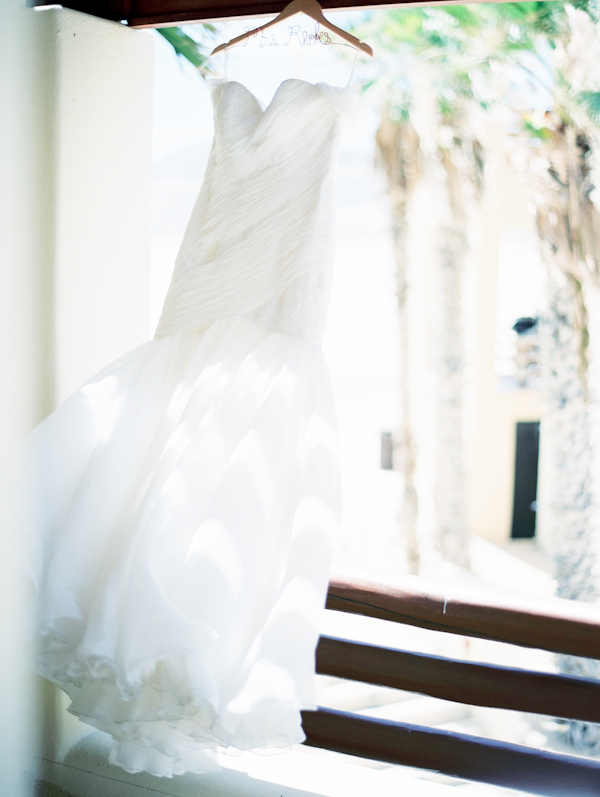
(559,177)
(461,157)
(558,154)
(398,147)
(424,39)
(552,44)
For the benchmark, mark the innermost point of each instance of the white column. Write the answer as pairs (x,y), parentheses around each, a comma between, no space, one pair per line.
(24,259)
(75,149)
(99,130)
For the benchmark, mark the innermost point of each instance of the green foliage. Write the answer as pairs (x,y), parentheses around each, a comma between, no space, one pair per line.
(400,108)
(537,131)
(189,48)
(590,102)
(466,46)
(466,16)
(528,20)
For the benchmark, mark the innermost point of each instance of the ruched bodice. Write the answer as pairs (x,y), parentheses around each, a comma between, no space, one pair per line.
(259,240)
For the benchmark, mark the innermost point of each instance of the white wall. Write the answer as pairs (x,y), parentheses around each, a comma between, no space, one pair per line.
(23,260)
(75,142)
(99,126)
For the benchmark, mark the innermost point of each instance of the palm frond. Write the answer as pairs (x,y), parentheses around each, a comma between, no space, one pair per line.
(540,132)
(189,48)
(590,102)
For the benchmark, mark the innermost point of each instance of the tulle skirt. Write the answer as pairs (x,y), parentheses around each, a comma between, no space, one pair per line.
(184,504)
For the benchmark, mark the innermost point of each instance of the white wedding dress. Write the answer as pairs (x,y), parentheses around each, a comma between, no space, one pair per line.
(186,499)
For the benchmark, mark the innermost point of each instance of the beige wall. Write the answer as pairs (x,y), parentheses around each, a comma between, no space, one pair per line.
(494,413)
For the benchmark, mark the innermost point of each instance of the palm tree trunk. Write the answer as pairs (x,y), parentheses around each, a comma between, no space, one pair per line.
(407,441)
(569,509)
(462,160)
(450,487)
(398,145)
(567,223)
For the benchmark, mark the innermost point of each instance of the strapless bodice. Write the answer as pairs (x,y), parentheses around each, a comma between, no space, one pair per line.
(259,240)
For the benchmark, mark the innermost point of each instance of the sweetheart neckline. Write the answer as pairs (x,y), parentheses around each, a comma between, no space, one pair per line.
(224,82)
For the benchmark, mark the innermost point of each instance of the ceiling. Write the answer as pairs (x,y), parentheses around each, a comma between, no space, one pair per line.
(157,13)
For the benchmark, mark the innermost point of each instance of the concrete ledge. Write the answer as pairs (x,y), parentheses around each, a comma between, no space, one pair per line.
(85,772)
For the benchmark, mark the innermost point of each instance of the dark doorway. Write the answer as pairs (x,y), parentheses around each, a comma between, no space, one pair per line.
(526,476)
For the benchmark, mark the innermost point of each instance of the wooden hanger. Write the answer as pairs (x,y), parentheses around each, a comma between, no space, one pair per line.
(313,10)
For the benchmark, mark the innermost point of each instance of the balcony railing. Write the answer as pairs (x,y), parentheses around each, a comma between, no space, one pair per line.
(557,626)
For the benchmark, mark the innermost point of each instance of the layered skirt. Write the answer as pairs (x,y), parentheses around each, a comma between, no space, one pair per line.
(183,507)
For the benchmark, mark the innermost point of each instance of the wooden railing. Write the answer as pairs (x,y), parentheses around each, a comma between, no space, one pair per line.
(556,626)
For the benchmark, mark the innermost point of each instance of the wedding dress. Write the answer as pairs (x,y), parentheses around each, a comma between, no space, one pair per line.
(186,499)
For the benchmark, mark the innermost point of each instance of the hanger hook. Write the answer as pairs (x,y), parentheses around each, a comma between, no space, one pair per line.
(356,52)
